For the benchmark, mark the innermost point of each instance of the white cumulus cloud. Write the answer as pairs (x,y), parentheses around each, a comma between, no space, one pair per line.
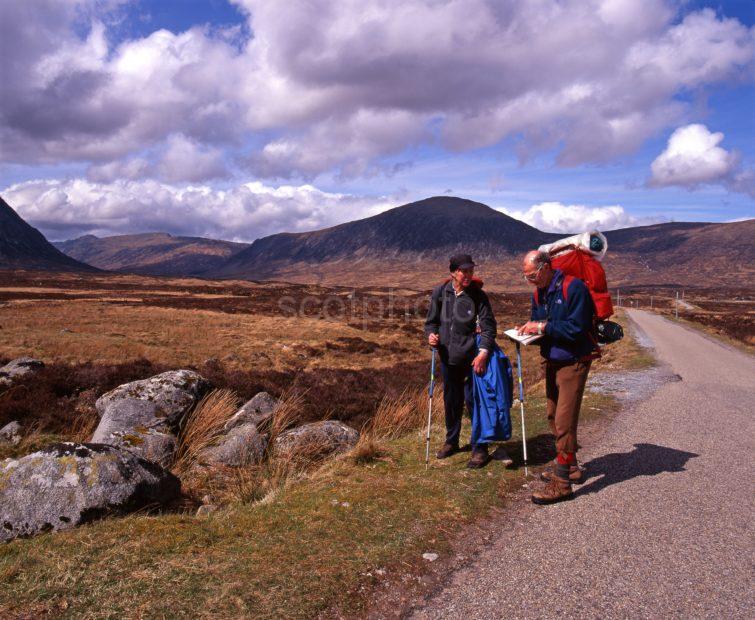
(560,218)
(324,86)
(67,209)
(692,156)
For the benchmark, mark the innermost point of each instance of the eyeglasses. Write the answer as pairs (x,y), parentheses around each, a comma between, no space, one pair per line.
(531,277)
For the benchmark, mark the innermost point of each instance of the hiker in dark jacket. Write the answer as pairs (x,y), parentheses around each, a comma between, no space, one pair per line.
(456,307)
(562,310)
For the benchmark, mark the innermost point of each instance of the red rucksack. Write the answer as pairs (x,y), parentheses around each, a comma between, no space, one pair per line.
(580,264)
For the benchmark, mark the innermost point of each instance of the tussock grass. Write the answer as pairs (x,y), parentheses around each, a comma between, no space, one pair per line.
(395,417)
(202,427)
(83,426)
(252,482)
(287,414)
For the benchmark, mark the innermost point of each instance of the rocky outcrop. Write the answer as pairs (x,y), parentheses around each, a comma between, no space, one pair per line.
(258,411)
(144,416)
(18,368)
(10,434)
(318,439)
(173,392)
(242,445)
(66,484)
(137,425)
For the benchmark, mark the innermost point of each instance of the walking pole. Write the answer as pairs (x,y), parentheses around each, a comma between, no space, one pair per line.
(430,412)
(521,405)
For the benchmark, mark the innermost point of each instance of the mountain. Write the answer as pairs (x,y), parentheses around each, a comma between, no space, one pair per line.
(151,253)
(23,247)
(684,253)
(410,246)
(422,232)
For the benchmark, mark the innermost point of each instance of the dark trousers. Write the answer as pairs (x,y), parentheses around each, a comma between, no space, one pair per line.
(564,387)
(457,389)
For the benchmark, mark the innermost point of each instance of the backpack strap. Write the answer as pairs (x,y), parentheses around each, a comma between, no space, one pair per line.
(565,286)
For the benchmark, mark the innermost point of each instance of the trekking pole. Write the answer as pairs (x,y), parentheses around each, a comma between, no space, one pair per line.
(521,405)
(430,412)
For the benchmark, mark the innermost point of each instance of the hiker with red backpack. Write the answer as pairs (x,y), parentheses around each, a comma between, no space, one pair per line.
(563,311)
(456,307)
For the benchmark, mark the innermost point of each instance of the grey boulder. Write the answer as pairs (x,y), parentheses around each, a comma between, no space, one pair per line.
(66,484)
(10,433)
(144,416)
(259,411)
(242,445)
(18,368)
(174,393)
(317,439)
(138,426)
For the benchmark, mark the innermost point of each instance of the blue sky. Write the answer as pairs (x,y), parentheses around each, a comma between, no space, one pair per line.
(243,118)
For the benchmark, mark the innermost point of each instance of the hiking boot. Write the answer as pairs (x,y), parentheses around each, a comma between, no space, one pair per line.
(555,490)
(576,474)
(479,458)
(447,450)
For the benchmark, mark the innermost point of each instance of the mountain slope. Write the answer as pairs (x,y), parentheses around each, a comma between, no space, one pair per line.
(684,253)
(151,253)
(23,247)
(430,229)
(410,245)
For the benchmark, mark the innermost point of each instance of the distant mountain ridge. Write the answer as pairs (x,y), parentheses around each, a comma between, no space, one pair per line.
(152,253)
(23,247)
(410,244)
(431,228)
(405,246)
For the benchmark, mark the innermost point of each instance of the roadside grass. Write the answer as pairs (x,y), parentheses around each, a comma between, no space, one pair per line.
(296,556)
(314,544)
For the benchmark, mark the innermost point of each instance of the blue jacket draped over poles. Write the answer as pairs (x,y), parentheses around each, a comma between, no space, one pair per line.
(493,394)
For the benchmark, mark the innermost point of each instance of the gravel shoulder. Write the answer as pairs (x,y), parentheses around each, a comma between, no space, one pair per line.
(663,525)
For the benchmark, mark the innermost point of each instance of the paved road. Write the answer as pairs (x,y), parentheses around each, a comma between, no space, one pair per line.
(662,528)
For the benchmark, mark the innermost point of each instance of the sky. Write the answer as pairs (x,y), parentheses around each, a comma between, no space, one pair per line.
(237,119)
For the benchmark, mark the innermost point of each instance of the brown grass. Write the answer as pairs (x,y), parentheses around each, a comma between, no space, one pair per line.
(287,414)
(250,483)
(203,426)
(395,417)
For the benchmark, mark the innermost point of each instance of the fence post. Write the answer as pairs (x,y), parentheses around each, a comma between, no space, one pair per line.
(676,306)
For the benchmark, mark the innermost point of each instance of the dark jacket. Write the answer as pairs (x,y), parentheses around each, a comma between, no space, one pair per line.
(570,321)
(455,320)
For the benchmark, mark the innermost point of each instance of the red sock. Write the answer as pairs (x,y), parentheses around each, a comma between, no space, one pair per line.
(566,458)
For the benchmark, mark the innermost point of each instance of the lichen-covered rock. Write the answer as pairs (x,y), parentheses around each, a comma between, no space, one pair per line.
(259,411)
(138,426)
(66,484)
(17,368)
(143,416)
(242,445)
(317,439)
(11,433)
(174,393)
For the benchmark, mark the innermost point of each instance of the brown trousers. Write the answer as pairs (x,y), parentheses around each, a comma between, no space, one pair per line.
(564,386)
